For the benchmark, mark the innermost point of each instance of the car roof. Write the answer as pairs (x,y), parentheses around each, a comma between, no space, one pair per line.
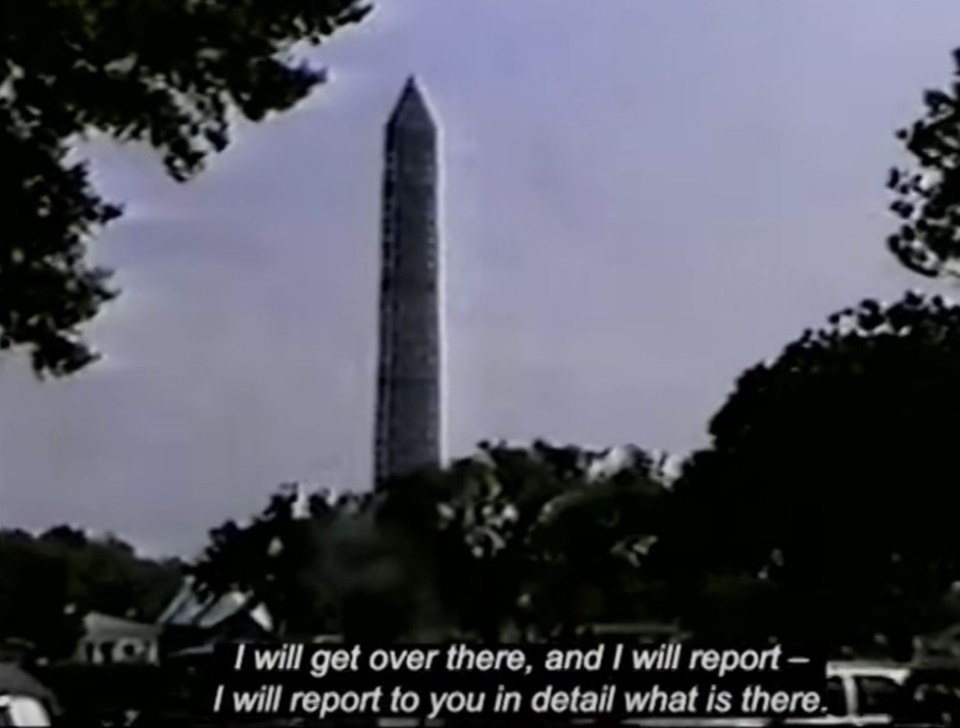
(892,671)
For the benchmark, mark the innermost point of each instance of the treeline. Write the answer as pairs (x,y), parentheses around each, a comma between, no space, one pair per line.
(48,582)
(824,510)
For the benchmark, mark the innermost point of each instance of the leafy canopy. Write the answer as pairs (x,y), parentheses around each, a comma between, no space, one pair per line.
(832,467)
(511,535)
(169,73)
(49,582)
(927,194)
(537,538)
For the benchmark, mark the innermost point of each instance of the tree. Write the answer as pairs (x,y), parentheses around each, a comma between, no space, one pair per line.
(108,575)
(49,582)
(34,604)
(831,473)
(532,538)
(513,536)
(171,73)
(927,195)
(320,564)
(275,559)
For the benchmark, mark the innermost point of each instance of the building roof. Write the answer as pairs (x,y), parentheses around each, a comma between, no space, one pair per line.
(189,609)
(105,627)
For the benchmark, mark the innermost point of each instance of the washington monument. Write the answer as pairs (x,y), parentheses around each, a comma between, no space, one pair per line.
(409,427)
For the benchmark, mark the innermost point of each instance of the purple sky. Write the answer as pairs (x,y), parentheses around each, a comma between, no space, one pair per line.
(640,201)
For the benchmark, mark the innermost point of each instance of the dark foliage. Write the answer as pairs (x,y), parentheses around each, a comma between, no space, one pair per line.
(530,538)
(169,73)
(512,538)
(927,194)
(832,474)
(48,583)
(274,558)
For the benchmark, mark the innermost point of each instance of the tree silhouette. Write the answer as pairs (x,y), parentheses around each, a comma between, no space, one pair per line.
(532,538)
(927,193)
(319,564)
(48,583)
(831,474)
(274,560)
(170,73)
(538,537)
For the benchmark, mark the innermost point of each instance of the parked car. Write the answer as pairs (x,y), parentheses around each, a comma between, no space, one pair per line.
(857,694)
(865,693)
(874,694)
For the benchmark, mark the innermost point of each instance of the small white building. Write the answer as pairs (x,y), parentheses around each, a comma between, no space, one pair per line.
(111,640)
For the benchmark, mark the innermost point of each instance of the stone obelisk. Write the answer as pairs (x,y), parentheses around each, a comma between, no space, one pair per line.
(409,427)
